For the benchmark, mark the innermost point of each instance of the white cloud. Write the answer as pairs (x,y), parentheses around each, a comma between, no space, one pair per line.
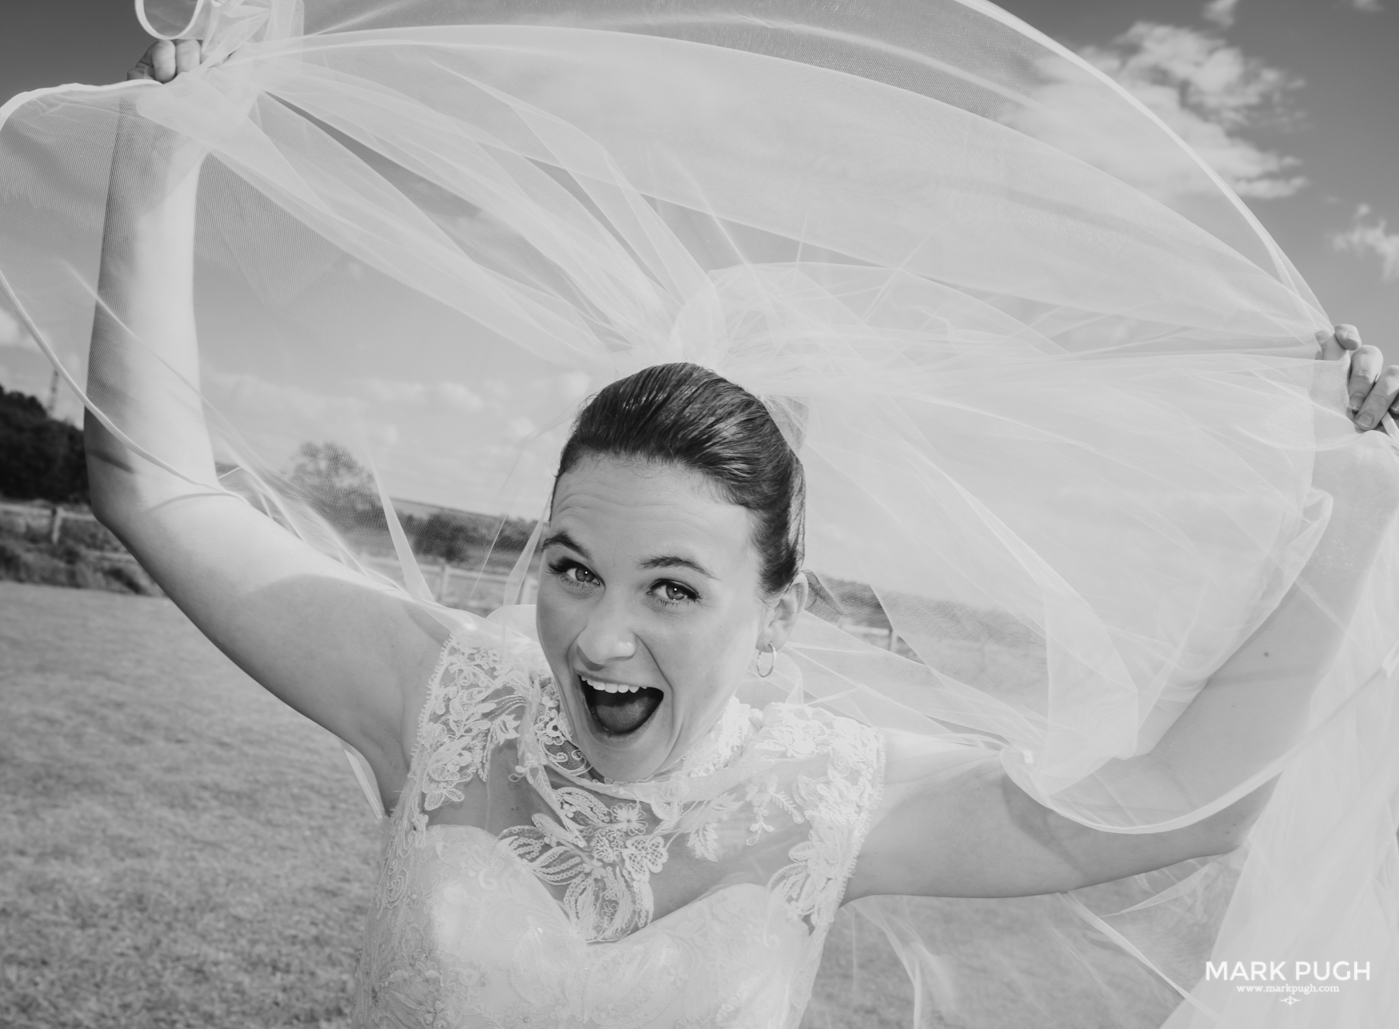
(1216,81)
(1368,236)
(277,417)
(1368,6)
(1222,12)
(264,398)
(453,394)
(498,389)
(12,333)
(574,385)
(1209,92)
(491,458)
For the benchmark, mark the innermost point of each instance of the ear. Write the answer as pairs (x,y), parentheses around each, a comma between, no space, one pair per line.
(783,616)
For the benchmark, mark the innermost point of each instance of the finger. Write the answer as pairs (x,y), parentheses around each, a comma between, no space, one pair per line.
(162,55)
(144,69)
(1348,336)
(1331,349)
(1365,367)
(1381,398)
(186,55)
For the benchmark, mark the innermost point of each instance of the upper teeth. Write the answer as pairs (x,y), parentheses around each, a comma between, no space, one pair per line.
(611,687)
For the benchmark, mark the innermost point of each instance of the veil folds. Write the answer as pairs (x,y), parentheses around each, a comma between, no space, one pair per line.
(1053,385)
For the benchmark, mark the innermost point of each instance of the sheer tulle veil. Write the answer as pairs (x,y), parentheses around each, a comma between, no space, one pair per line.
(1054,388)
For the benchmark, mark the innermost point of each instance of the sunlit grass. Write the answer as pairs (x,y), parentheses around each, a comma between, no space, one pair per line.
(176,847)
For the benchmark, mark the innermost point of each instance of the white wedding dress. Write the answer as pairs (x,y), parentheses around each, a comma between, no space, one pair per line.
(518,892)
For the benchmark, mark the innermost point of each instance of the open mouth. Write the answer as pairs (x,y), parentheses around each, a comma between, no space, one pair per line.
(619,709)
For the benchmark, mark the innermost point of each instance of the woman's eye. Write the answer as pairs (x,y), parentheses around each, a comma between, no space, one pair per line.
(672,593)
(573,573)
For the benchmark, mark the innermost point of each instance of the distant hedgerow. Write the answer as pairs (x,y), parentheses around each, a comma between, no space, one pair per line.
(41,458)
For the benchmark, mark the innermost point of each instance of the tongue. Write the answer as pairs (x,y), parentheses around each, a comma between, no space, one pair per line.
(621,713)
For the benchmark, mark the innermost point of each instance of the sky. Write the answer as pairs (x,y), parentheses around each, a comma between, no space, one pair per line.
(1294,102)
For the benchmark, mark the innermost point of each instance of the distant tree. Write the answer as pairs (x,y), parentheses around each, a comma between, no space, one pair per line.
(514,534)
(337,485)
(443,537)
(459,536)
(41,458)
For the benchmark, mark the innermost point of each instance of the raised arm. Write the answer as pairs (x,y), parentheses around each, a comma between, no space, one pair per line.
(969,831)
(333,645)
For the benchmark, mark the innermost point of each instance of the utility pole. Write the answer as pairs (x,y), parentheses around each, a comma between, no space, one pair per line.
(53,393)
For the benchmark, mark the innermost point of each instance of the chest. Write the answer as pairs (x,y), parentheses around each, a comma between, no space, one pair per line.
(612,865)
(480,940)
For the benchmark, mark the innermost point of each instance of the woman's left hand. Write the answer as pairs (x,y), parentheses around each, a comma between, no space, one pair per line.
(1373,387)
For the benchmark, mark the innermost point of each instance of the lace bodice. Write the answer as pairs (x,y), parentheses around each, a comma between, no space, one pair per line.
(519,890)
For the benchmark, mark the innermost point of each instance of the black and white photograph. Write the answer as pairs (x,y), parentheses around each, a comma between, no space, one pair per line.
(699,514)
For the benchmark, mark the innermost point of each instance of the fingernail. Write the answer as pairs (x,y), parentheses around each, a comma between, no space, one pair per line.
(1364,421)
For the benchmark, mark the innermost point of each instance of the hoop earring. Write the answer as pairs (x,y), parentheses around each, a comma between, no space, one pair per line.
(771,665)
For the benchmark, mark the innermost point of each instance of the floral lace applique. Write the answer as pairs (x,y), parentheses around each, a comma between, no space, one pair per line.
(475,702)
(469,929)
(602,842)
(473,712)
(603,855)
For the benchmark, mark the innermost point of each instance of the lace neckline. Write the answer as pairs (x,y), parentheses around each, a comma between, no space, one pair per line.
(545,742)
(602,842)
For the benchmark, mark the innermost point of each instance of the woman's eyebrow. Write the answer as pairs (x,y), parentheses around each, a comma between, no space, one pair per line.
(563,539)
(675,561)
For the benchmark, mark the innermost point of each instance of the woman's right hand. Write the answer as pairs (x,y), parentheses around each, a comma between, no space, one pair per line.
(149,161)
(165,59)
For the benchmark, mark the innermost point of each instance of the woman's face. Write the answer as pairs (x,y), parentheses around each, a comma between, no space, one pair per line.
(649,609)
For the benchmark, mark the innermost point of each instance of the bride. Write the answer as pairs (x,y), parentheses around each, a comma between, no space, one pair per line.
(644,805)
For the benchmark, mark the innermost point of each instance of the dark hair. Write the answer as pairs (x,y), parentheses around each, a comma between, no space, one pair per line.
(686,415)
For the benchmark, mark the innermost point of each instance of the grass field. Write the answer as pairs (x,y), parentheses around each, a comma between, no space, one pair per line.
(179,849)
(176,847)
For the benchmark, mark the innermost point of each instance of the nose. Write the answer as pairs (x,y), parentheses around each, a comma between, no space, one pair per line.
(604,639)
